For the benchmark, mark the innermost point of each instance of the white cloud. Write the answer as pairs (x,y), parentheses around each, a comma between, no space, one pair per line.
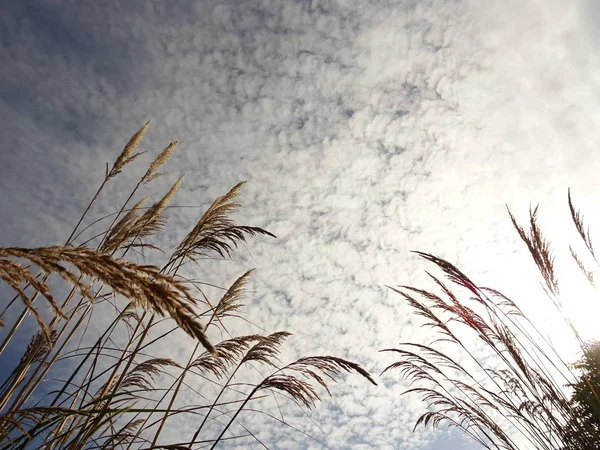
(365,129)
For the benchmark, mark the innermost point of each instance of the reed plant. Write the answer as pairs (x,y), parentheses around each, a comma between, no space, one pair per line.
(489,370)
(76,386)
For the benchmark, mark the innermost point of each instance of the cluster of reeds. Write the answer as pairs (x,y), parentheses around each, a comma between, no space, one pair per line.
(514,394)
(118,392)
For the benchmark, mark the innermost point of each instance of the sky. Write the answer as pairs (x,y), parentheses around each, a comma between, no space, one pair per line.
(364,129)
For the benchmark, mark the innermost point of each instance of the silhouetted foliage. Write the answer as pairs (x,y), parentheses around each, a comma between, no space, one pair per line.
(515,395)
(586,390)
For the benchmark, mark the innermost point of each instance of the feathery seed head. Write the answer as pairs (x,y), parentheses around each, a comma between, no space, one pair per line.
(127,155)
(162,158)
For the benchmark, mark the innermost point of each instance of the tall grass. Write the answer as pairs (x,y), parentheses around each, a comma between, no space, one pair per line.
(77,386)
(514,393)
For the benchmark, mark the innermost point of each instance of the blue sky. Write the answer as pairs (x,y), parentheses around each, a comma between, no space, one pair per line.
(365,129)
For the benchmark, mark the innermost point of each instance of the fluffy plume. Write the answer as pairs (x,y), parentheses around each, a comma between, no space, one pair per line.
(216,231)
(127,154)
(162,158)
(145,286)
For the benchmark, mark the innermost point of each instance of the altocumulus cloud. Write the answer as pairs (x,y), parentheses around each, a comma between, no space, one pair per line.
(365,129)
